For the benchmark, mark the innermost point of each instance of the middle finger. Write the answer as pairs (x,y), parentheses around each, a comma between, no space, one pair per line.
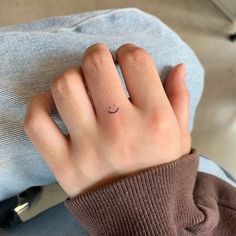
(104,84)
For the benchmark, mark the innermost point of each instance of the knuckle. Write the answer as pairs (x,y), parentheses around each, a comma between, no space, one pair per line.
(31,123)
(31,119)
(71,73)
(96,57)
(64,81)
(98,46)
(135,54)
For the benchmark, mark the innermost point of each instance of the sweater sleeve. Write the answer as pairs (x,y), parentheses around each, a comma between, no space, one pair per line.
(169,199)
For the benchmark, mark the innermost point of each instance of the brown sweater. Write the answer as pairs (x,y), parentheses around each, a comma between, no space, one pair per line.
(169,199)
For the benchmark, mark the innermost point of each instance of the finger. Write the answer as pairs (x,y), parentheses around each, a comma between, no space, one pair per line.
(104,83)
(44,133)
(178,95)
(72,102)
(141,77)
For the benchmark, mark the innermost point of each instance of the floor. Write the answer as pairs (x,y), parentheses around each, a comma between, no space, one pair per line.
(204,28)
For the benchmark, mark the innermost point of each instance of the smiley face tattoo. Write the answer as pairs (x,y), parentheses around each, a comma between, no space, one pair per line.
(113,109)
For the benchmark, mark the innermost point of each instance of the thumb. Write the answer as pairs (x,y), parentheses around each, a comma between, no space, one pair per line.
(178,95)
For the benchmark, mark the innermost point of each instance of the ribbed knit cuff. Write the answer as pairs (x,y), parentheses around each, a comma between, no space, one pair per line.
(144,203)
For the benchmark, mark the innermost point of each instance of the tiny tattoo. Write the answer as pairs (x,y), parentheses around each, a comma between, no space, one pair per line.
(113,109)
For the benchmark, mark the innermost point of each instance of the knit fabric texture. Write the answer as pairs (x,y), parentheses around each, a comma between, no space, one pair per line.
(169,199)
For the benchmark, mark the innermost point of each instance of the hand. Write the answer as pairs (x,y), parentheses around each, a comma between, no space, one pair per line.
(110,135)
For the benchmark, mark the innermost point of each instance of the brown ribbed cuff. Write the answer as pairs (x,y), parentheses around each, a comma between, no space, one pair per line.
(143,203)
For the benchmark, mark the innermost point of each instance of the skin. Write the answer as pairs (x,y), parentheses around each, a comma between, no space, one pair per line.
(150,127)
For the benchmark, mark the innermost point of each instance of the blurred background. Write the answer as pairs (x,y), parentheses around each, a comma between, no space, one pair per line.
(204,27)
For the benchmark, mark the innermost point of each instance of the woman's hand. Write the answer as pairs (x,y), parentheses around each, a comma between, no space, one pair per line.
(110,135)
